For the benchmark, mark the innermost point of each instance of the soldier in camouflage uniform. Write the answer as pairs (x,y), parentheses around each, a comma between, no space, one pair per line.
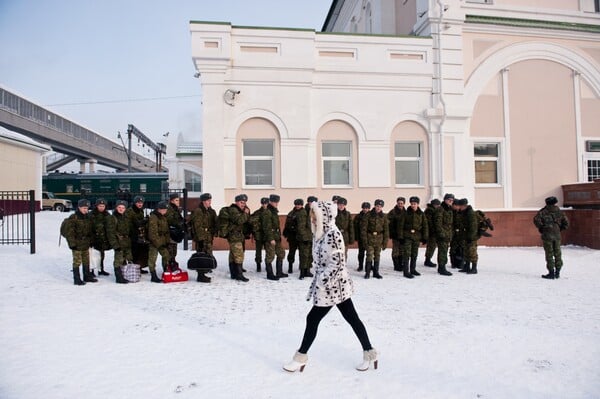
(158,235)
(412,230)
(176,222)
(343,221)
(100,217)
(375,233)
(138,235)
(304,239)
(362,245)
(272,235)
(79,238)
(309,200)
(393,217)
(203,222)
(119,228)
(470,230)
(238,214)
(443,218)
(550,221)
(290,231)
(457,243)
(432,241)
(259,240)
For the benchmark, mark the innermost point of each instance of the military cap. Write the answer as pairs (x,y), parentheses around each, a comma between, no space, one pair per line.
(264,200)
(274,198)
(435,201)
(100,201)
(83,203)
(342,200)
(551,200)
(121,202)
(366,205)
(162,205)
(173,196)
(462,201)
(311,198)
(414,199)
(241,197)
(298,201)
(138,198)
(379,202)
(205,196)
(335,198)
(448,196)
(401,199)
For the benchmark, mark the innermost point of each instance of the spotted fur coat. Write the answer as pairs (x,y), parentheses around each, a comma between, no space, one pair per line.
(332,283)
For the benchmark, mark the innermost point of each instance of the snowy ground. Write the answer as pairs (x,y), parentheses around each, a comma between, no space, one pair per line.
(504,333)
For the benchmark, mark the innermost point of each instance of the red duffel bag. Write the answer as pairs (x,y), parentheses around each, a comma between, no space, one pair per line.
(174,274)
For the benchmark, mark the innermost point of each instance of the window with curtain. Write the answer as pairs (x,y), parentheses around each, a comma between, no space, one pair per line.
(259,162)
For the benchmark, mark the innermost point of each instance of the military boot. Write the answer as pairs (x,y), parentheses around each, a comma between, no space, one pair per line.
(232,270)
(396,263)
(442,270)
(301,277)
(202,278)
(405,270)
(279,269)
(270,275)
(240,274)
(550,275)
(429,263)
(77,278)
(119,276)
(466,267)
(154,277)
(258,269)
(368,267)
(291,268)
(361,262)
(413,267)
(557,273)
(307,273)
(376,270)
(473,268)
(88,277)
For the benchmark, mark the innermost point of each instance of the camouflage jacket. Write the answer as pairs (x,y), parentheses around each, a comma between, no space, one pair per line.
(470,224)
(79,231)
(413,225)
(429,211)
(158,230)
(343,221)
(99,220)
(393,217)
(238,220)
(358,219)
(443,222)
(297,226)
(550,221)
(204,224)
(269,222)
(375,224)
(137,220)
(119,228)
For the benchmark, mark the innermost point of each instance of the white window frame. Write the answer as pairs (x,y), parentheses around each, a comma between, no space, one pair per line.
(497,159)
(192,183)
(345,158)
(258,158)
(401,159)
(589,156)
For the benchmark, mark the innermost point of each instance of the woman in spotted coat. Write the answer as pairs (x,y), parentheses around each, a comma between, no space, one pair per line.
(331,286)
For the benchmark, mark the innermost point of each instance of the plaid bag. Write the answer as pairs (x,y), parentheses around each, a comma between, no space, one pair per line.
(131,272)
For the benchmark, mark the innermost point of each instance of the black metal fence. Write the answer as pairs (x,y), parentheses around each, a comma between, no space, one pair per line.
(17,218)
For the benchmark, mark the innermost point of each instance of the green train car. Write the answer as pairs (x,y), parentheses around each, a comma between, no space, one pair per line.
(154,187)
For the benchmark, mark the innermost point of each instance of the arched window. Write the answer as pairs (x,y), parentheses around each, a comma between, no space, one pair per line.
(337,151)
(258,148)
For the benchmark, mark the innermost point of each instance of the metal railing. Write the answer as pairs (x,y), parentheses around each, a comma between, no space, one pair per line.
(17,218)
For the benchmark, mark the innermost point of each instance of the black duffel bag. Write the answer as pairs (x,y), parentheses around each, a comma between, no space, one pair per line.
(202,261)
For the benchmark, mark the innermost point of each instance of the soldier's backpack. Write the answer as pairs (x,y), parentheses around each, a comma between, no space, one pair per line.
(483,224)
(223,222)
(254,222)
(64,228)
(290,227)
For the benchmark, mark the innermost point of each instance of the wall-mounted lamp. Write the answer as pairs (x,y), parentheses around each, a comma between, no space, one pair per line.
(229,96)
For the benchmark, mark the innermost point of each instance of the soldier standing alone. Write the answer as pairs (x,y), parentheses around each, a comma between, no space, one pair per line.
(550,221)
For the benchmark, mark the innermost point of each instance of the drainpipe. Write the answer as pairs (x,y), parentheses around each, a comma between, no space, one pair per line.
(441,95)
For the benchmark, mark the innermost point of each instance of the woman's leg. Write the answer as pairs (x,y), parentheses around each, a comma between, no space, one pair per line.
(313,319)
(350,315)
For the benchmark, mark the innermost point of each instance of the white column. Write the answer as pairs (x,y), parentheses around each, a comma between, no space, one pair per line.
(581,175)
(506,159)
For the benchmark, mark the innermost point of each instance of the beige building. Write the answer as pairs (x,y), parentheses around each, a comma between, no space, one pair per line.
(494,100)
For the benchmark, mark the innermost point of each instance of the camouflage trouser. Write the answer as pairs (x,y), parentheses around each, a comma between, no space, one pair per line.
(236,252)
(260,245)
(457,249)
(204,246)
(153,255)
(397,249)
(470,252)
(442,254)
(362,250)
(375,243)
(431,246)
(172,249)
(122,256)
(140,253)
(305,254)
(553,254)
(272,250)
(293,245)
(410,249)
(80,258)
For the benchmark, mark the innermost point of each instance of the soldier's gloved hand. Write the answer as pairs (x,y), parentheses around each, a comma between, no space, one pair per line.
(72,247)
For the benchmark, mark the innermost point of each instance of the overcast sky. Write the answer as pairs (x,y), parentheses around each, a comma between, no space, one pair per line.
(97,54)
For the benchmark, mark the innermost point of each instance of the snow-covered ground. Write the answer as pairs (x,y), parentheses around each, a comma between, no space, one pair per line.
(504,333)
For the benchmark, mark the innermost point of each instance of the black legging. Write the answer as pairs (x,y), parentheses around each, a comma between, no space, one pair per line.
(347,310)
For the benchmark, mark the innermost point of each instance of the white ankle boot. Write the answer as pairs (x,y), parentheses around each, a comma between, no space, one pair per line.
(298,362)
(369,357)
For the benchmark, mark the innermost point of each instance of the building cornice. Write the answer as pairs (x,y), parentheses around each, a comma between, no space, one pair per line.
(531,23)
